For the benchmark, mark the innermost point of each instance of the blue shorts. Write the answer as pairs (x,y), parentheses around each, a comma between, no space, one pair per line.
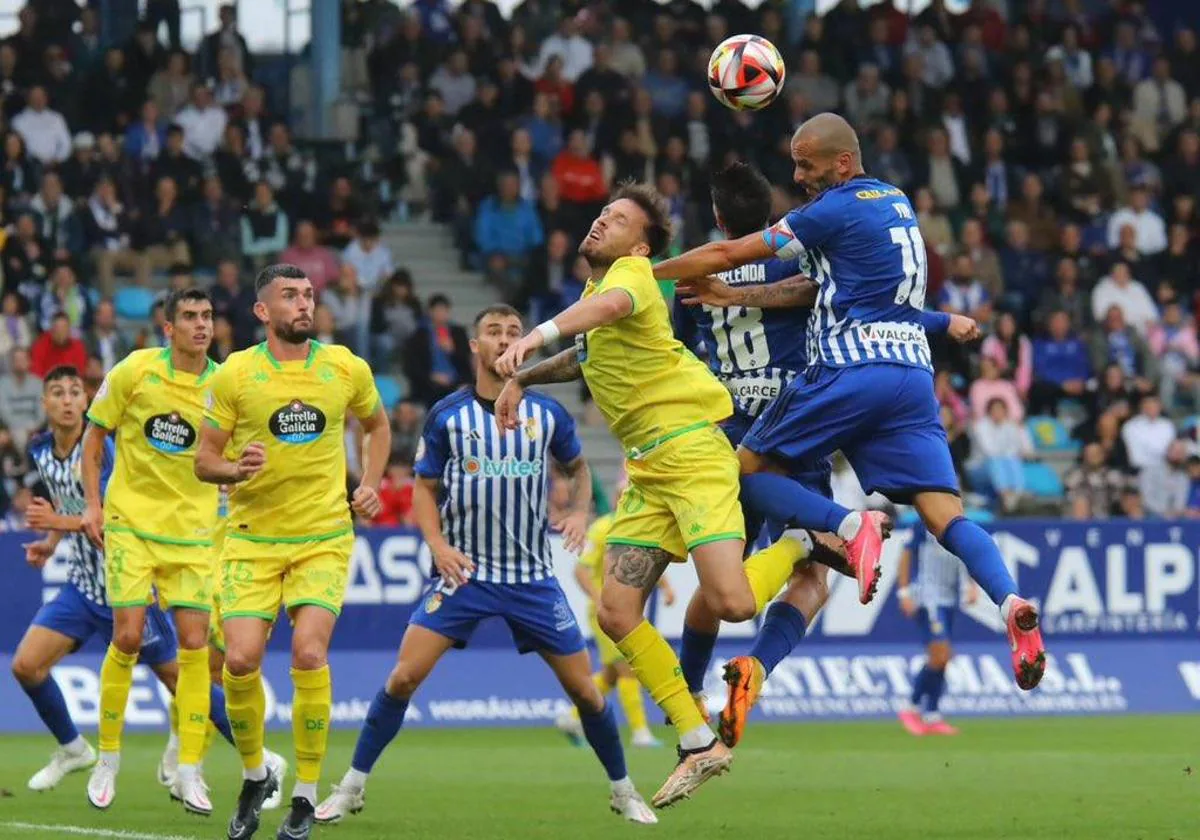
(884,418)
(935,624)
(537,614)
(813,474)
(78,618)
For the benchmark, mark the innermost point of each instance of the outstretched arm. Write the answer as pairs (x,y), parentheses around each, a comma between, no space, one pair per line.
(715,257)
(561,367)
(796,291)
(580,317)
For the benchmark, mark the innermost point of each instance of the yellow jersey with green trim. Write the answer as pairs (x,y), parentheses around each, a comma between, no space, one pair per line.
(645,382)
(155,411)
(593,552)
(297,410)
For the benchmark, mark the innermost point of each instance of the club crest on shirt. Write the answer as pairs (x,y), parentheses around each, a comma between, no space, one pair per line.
(531,428)
(297,422)
(169,433)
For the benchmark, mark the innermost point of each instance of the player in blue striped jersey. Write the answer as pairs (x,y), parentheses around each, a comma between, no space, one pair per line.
(481,501)
(80,609)
(932,601)
(869,387)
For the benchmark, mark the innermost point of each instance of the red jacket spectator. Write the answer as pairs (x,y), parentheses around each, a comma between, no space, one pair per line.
(396,495)
(57,347)
(317,261)
(578,174)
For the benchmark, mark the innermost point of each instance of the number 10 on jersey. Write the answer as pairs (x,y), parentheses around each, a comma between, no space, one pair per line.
(914,264)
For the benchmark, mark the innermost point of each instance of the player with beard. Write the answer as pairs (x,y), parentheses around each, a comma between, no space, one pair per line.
(282,406)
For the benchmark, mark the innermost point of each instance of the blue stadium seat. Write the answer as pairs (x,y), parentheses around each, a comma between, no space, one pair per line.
(389,390)
(1050,435)
(133,303)
(1042,481)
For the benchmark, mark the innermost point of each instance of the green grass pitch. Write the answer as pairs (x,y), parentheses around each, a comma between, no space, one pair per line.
(1119,778)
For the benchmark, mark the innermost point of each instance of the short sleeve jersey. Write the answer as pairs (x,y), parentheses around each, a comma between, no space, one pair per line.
(645,382)
(155,411)
(297,410)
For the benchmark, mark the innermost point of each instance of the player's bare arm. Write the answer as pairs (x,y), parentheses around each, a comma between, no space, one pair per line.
(580,317)
(561,367)
(91,466)
(715,257)
(573,524)
(37,553)
(454,566)
(796,291)
(377,444)
(41,516)
(212,466)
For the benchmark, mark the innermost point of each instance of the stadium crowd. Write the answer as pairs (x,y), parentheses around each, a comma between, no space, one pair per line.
(1051,150)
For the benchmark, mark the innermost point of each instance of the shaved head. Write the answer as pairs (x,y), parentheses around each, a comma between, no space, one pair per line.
(826,152)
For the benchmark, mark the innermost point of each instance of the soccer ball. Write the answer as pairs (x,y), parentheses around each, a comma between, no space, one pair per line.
(745,72)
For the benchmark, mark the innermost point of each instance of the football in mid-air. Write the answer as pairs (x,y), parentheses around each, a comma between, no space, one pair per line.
(745,72)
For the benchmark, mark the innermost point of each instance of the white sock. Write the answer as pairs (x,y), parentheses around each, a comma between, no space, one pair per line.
(255,774)
(77,747)
(623,786)
(355,779)
(644,732)
(112,758)
(801,536)
(308,790)
(173,741)
(1006,606)
(697,739)
(850,525)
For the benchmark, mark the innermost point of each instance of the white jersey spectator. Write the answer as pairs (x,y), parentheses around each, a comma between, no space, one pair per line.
(203,123)
(44,130)
(1121,290)
(21,398)
(454,82)
(1148,436)
(1149,227)
(370,258)
(568,44)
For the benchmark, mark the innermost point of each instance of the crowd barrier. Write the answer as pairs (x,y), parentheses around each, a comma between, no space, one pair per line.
(1120,604)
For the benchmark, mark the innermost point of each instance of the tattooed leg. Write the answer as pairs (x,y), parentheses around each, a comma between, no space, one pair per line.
(630,574)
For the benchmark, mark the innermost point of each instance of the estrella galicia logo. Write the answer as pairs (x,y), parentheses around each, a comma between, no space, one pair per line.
(169,433)
(297,422)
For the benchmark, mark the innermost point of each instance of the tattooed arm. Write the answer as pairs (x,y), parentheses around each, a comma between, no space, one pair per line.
(793,292)
(561,367)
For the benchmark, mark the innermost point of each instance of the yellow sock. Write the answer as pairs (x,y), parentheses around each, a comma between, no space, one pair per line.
(192,700)
(629,692)
(768,570)
(246,704)
(657,668)
(602,683)
(173,716)
(210,735)
(312,702)
(116,677)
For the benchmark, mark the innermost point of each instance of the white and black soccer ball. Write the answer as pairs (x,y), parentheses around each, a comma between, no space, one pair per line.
(745,72)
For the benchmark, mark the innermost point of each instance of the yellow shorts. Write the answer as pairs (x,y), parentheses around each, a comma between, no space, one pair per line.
(258,577)
(605,647)
(182,574)
(682,494)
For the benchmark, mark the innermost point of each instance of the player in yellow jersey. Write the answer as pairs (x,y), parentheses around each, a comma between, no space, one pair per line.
(614,670)
(155,522)
(663,405)
(282,407)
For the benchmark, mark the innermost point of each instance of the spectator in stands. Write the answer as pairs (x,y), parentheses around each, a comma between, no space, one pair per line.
(1159,102)
(43,129)
(1060,364)
(1147,436)
(174,163)
(230,85)
(318,262)
(934,224)
(395,495)
(216,227)
(81,171)
(264,229)
(160,234)
(227,37)
(964,294)
(171,87)
(454,83)
(234,301)
(337,217)
(1026,270)
(254,123)
(889,162)
(580,179)
(1165,486)
(408,418)
(1012,353)
(14,328)
(26,262)
(1174,343)
(548,277)
(1115,343)
(107,231)
(395,315)
(575,51)
(437,358)
(63,296)
(1119,290)
(1002,442)
(323,326)
(351,310)
(19,176)
(59,228)
(203,123)
(1149,226)
(223,342)
(103,340)
(627,57)
(990,386)
(370,257)
(145,139)
(1093,486)
(1032,209)
(820,90)
(21,398)
(507,231)
(57,346)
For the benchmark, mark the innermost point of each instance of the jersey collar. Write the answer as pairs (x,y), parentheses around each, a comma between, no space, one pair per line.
(313,347)
(166,357)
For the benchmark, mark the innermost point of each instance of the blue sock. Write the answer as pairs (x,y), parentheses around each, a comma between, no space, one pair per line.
(971,544)
(781,631)
(933,693)
(695,655)
(217,714)
(601,732)
(384,719)
(780,498)
(921,685)
(47,699)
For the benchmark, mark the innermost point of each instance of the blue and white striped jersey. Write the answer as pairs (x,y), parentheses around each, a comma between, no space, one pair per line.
(868,259)
(754,352)
(938,579)
(64,479)
(495,484)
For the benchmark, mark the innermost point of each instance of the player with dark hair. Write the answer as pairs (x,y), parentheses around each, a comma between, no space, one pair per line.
(868,389)
(280,407)
(663,405)
(481,501)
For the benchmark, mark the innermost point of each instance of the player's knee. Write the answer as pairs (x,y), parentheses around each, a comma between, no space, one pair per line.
(586,697)
(309,657)
(127,638)
(242,662)
(615,621)
(939,655)
(734,606)
(403,682)
(29,672)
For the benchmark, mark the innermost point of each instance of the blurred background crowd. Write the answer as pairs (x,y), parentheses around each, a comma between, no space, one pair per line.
(1051,150)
